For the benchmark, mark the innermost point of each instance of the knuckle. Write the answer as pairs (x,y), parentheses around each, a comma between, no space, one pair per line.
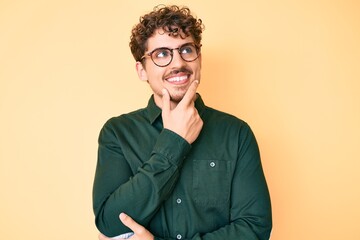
(141,230)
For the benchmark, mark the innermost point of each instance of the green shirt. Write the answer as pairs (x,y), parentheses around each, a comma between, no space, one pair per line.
(212,189)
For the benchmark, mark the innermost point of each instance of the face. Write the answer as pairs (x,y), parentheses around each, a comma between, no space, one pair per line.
(175,77)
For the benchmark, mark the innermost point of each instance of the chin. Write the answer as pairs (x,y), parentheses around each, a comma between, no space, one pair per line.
(178,94)
(176,97)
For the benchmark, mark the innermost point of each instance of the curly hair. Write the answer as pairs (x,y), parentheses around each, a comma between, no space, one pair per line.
(174,20)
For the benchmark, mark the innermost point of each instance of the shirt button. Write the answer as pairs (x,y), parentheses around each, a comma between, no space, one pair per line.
(212,164)
(178,236)
(178,201)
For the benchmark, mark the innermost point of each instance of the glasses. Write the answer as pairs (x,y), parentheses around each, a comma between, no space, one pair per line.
(162,57)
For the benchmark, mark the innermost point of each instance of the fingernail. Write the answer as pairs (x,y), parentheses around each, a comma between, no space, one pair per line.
(196,81)
(163,91)
(122,216)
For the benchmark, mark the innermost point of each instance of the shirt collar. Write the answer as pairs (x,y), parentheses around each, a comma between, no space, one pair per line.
(154,111)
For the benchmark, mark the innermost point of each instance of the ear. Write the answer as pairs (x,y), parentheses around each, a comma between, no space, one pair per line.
(141,71)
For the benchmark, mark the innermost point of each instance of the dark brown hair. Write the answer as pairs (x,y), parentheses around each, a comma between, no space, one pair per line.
(173,20)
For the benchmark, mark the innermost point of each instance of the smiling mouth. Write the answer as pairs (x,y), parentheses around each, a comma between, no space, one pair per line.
(178,79)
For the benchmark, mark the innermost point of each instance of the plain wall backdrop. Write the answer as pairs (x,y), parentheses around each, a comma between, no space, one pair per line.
(291,69)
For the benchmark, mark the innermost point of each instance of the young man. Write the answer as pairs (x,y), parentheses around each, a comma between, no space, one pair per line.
(178,169)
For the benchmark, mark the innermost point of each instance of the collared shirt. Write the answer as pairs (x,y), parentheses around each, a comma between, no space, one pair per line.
(212,189)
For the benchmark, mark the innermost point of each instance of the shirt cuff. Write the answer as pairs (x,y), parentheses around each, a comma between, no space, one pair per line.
(172,146)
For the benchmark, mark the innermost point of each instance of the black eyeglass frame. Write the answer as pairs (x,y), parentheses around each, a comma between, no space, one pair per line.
(149,54)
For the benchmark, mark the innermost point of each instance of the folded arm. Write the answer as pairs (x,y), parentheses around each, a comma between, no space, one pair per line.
(117,189)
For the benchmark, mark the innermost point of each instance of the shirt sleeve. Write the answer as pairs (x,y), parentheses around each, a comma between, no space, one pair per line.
(116,189)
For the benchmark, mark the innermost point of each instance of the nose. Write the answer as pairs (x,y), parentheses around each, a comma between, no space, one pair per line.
(177,59)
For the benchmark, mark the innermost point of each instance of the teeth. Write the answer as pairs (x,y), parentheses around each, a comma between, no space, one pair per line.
(177,79)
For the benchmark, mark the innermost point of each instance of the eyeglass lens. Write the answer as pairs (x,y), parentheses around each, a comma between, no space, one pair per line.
(163,56)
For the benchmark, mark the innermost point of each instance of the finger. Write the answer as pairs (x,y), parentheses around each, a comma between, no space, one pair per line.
(130,223)
(165,101)
(190,93)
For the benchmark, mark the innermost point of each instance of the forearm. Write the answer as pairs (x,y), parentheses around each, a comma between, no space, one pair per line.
(139,195)
(240,229)
(237,230)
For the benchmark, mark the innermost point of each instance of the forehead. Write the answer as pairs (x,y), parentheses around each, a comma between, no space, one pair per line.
(163,39)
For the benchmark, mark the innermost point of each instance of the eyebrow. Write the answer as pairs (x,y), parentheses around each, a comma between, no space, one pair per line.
(171,47)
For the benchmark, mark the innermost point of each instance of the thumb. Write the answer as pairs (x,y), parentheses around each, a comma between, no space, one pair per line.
(130,223)
(165,101)
(190,93)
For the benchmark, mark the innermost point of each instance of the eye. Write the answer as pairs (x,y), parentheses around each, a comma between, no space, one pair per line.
(187,49)
(161,53)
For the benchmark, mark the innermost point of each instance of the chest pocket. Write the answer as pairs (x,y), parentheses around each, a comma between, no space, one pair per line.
(211,182)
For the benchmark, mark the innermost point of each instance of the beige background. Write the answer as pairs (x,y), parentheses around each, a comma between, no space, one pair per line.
(289,68)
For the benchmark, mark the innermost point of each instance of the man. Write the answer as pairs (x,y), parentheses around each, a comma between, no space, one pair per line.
(177,169)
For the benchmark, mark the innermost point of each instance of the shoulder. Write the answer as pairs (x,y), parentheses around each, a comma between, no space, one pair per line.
(227,125)
(127,117)
(217,117)
(125,120)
